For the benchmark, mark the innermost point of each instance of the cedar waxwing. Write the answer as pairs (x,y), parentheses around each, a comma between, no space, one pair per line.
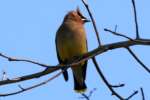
(71,42)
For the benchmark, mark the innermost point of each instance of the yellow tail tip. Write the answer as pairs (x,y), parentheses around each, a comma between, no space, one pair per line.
(81,91)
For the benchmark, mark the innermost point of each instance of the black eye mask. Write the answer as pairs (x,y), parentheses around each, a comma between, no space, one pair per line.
(80,14)
(82,17)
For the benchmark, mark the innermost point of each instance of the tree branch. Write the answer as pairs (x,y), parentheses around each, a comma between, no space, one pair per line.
(108,84)
(117,86)
(118,34)
(138,60)
(93,21)
(142,92)
(133,94)
(28,77)
(87,97)
(130,51)
(104,79)
(135,20)
(31,87)
(22,60)
(4,75)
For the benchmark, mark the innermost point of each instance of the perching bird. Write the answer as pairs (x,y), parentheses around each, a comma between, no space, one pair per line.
(71,42)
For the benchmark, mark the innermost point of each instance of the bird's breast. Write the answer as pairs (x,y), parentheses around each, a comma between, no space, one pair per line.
(71,42)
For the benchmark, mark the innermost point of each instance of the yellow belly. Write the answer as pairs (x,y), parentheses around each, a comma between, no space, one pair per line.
(70,48)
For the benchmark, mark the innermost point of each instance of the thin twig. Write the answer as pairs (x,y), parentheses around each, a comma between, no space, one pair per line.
(135,20)
(91,92)
(116,26)
(24,60)
(108,84)
(130,51)
(20,87)
(117,86)
(138,60)
(28,77)
(93,21)
(4,75)
(142,92)
(133,94)
(31,87)
(105,80)
(85,96)
(118,34)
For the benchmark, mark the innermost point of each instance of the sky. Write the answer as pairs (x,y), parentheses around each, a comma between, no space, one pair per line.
(28,29)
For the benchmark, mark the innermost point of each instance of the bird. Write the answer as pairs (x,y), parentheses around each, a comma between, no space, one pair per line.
(71,42)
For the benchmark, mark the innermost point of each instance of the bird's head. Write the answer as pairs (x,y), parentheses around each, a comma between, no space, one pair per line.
(76,16)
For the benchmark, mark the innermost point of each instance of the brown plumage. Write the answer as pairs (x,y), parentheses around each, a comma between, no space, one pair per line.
(71,42)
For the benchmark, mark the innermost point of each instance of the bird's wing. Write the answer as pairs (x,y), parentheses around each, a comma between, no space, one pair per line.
(65,73)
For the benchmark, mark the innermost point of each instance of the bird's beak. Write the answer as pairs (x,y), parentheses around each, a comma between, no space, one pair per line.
(85,20)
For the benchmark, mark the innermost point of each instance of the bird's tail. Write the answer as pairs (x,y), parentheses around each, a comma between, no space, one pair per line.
(79,87)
